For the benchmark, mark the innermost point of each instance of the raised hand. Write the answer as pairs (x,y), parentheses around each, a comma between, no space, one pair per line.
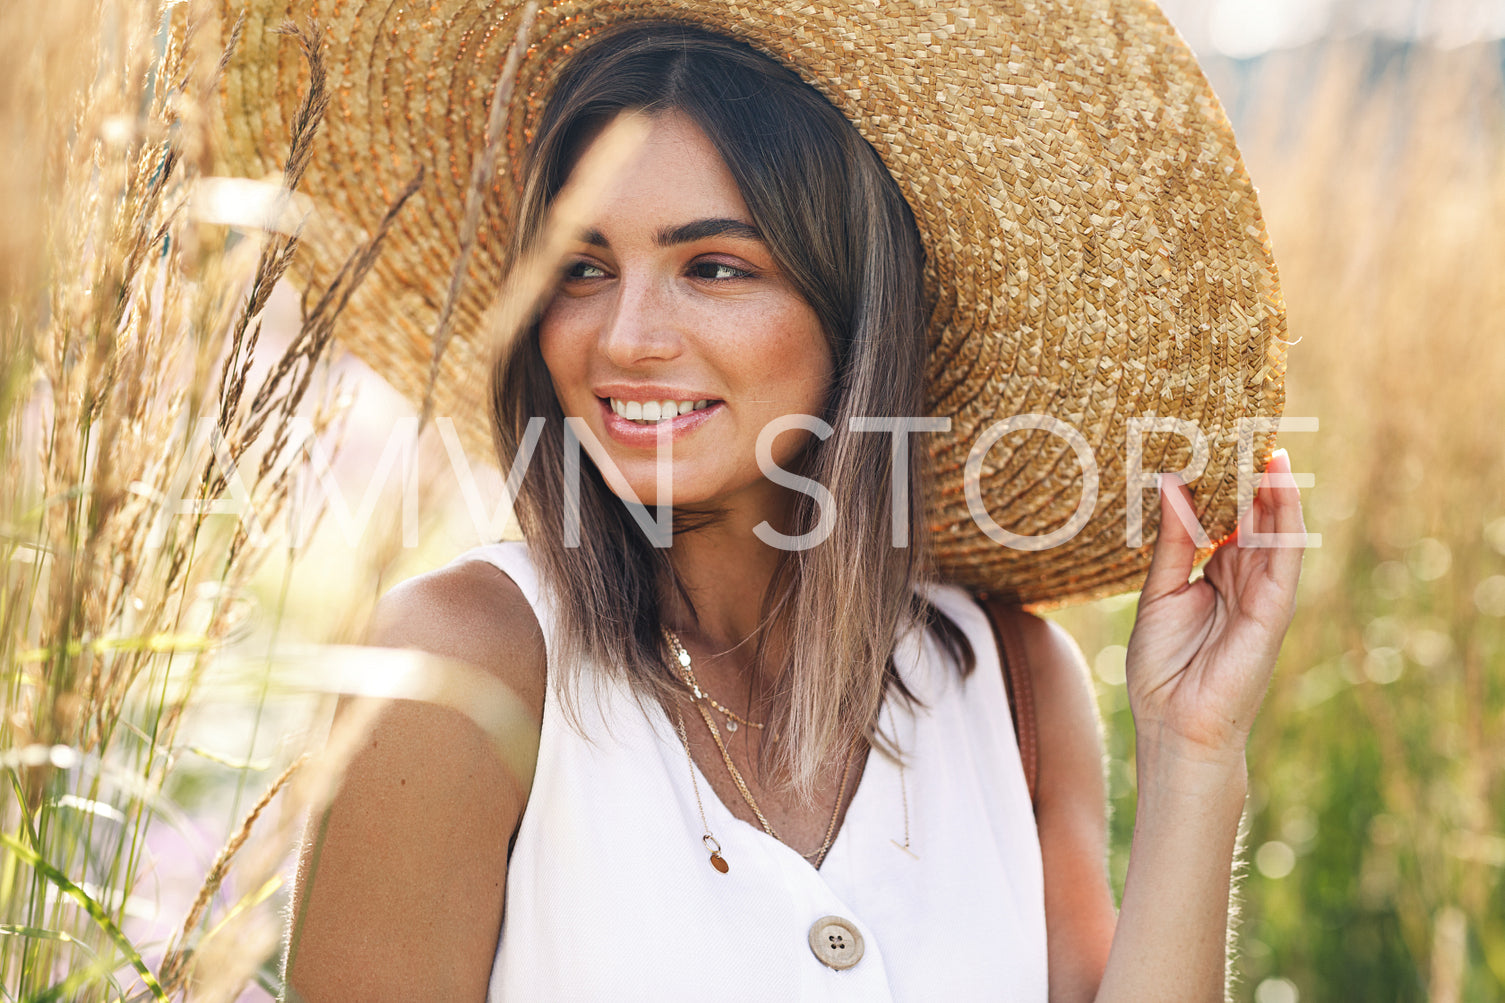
(1202,653)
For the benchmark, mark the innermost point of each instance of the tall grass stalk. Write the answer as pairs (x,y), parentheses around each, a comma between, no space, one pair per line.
(149,454)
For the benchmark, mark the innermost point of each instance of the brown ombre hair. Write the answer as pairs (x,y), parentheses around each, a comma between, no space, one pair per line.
(842,233)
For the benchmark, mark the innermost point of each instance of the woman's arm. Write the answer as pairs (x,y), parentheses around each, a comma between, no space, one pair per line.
(1199,662)
(400,882)
(1070,811)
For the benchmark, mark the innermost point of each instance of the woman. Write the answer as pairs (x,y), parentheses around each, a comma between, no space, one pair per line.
(776,758)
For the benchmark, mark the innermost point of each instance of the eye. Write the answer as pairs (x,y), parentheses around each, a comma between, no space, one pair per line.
(581,270)
(718,271)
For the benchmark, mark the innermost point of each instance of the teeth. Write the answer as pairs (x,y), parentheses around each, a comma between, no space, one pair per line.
(656,410)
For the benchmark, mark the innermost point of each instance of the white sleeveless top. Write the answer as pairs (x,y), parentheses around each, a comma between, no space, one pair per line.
(610,894)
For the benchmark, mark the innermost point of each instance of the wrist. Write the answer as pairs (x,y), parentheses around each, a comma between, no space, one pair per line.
(1170,764)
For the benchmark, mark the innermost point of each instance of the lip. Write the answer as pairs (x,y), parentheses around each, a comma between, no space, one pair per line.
(630,433)
(650,392)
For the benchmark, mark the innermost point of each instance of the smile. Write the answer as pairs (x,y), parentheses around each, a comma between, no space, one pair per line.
(640,424)
(652,412)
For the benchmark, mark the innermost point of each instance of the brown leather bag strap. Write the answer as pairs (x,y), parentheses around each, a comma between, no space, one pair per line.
(1004,619)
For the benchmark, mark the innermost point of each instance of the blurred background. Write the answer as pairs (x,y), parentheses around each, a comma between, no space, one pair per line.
(1375,852)
(187,683)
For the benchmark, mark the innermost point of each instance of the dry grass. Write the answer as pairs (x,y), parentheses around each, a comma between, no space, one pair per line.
(1378,811)
(1376,831)
(155,445)
(1386,210)
(137,409)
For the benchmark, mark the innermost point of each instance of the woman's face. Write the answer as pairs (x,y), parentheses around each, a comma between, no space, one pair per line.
(673,318)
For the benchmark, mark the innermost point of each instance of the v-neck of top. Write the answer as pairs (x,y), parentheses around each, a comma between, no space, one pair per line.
(713,800)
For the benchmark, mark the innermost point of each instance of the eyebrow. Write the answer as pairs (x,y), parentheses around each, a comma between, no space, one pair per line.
(688,233)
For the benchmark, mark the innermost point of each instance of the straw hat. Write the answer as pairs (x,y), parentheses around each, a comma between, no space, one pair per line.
(1095,249)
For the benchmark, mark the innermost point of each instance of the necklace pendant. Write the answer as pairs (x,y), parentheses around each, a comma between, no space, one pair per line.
(905,848)
(717,861)
(731,725)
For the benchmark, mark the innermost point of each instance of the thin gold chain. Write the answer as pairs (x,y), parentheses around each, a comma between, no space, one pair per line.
(903,787)
(709,841)
(818,854)
(683,657)
(731,768)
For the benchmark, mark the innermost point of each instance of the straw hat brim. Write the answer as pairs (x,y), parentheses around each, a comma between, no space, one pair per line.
(1095,249)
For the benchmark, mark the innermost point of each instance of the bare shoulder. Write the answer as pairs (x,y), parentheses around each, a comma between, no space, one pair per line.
(1047,641)
(1061,681)
(1071,810)
(471,612)
(1066,710)
(402,878)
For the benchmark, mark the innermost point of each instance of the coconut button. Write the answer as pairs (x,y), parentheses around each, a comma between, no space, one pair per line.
(836,942)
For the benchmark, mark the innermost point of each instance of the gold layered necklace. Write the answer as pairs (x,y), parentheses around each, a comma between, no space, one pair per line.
(815,856)
(733,719)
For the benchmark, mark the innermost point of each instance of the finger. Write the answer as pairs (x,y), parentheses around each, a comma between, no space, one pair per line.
(1282,499)
(1257,521)
(1175,550)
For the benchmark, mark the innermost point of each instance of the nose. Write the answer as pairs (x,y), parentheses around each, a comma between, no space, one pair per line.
(641,326)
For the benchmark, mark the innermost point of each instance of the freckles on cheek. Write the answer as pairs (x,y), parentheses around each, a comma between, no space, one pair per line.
(559,350)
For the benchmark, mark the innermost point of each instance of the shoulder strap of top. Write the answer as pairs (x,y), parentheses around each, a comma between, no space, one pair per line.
(1004,618)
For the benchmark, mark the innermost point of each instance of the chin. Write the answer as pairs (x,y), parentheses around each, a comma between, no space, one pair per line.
(648,496)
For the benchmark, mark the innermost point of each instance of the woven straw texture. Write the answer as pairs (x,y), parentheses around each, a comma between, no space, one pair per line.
(1095,248)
